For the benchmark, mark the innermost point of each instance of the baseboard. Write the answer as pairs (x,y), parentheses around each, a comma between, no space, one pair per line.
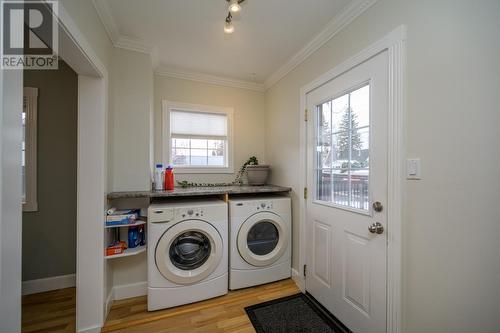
(109,302)
(299,280)
(130,290)
(48,284)
(93,329)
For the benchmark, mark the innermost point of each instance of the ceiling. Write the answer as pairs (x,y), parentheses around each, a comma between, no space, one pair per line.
(188,36)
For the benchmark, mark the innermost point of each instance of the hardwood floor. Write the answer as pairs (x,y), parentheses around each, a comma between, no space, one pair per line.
(54,311)
(221,314)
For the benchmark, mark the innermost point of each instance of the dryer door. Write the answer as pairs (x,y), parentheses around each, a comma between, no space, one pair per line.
(262,239)
(189,251)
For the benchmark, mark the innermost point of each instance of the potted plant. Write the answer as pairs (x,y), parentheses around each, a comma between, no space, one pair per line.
(256,174)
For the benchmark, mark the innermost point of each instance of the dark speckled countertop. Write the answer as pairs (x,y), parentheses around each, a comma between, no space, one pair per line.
(200,191)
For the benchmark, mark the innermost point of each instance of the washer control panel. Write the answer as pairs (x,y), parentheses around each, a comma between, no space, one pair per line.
(190,213)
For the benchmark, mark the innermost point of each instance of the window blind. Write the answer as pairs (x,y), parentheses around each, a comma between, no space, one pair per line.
(200,124)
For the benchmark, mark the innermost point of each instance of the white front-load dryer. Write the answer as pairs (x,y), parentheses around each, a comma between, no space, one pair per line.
(260,240)
(187,252)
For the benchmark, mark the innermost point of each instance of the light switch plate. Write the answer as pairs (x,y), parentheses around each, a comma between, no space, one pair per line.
(413,169)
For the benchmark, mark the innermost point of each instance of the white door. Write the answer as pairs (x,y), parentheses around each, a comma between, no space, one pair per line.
(347,174)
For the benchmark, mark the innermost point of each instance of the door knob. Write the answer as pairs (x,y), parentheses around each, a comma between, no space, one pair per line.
(376,228)
(377,206)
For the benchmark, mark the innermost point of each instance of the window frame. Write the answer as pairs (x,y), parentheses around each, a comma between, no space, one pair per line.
(166,145)
(30,201)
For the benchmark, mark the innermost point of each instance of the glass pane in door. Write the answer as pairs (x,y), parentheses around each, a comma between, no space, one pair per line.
(343,149)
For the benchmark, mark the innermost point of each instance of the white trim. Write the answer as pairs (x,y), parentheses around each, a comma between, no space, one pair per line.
(109,301)
(299,280)
(91,329)
(130,290)
(165,144)
(11,98)
(30,203)
(91,164)
(336,24)
(133,44)
(395,44)
(104,13)
(47,284)
(210,79)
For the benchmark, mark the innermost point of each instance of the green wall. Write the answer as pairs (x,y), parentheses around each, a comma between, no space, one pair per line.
(49,235)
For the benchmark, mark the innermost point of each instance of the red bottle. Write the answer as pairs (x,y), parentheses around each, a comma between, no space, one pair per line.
(169,178)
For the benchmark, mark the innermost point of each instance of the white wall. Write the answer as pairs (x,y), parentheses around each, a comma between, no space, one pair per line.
(249,118)
(130,130)
(11,93)
(451,225)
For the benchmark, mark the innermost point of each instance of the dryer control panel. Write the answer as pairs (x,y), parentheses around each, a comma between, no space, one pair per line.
(257,205)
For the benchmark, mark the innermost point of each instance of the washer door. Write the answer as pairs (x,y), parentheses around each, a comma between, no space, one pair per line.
(189,251)
(262,239)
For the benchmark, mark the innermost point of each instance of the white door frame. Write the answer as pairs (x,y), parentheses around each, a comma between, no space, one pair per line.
(91,293)
(395,44)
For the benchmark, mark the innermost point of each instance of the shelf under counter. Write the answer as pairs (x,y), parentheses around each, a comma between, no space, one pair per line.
(128,252)
(136,223)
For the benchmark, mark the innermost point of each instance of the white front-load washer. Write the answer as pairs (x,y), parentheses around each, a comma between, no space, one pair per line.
(187,252)
(260,240)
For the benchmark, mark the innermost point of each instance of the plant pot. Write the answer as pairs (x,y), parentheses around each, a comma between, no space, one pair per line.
(257,174)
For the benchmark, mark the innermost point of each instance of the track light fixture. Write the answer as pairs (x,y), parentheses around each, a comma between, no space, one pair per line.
(228,26)
(234,7)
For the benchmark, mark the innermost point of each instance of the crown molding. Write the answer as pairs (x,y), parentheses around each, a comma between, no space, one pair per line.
(107,20)
(133,44)
(336,24)
(210,79)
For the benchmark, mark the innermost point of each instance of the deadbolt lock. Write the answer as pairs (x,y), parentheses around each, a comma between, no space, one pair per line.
(377,206)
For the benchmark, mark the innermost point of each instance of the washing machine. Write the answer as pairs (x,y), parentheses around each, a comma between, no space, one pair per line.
(187,252)
(260,240)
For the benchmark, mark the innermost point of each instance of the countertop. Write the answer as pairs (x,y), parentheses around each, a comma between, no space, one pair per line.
(200,191)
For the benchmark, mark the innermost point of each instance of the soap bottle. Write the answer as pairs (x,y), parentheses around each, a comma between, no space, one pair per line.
(169,178)
(159,177)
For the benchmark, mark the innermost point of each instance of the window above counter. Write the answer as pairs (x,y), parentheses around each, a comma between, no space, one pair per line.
(197,138)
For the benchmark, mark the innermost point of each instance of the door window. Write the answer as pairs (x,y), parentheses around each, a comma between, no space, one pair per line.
(262,238)
(190,250)
(343,149)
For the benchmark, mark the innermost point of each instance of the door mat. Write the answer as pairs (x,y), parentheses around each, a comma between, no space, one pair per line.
(291,314)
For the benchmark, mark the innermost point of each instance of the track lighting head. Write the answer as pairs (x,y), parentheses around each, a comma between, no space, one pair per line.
(234,6)
(228,25)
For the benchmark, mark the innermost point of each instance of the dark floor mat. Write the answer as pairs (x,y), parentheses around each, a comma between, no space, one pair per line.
(296,313)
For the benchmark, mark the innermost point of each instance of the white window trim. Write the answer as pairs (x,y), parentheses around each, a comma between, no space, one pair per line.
(30,203)
(166,137)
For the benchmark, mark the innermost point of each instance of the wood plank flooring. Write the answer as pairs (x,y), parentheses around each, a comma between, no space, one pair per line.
(221,314)
(54,311)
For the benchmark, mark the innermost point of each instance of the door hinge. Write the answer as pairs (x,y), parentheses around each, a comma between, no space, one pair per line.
(305,193)
(305,114)
(305,270)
